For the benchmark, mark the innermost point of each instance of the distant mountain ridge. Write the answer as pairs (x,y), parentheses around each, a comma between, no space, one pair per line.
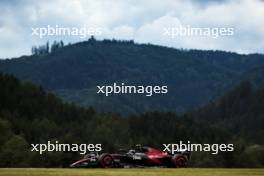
(194,77)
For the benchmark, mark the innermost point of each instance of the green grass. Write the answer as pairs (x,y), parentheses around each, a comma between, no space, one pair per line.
(132,172)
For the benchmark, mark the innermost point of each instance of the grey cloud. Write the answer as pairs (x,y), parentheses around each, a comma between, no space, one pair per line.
(140,20)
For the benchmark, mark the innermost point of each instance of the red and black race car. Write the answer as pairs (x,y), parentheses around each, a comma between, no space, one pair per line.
(139,157)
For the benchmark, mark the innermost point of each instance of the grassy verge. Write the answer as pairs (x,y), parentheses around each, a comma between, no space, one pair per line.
(132,172)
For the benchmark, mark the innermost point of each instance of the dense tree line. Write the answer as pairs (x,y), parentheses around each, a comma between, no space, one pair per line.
(43,50)
(28,115)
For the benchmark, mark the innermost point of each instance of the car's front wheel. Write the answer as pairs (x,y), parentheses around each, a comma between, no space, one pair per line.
(179,160)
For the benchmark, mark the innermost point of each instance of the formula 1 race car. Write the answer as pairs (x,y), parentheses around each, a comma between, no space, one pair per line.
(139,157)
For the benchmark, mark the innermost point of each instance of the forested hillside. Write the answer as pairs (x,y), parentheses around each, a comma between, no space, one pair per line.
(240,111)
(72,72)
(30,115)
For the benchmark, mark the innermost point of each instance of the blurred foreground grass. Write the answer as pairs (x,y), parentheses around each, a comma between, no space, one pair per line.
(132,172)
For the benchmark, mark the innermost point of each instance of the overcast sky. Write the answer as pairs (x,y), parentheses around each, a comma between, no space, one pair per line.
(141,20)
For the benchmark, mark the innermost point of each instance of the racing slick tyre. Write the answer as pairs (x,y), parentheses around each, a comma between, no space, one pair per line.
(179,160)
(106,161)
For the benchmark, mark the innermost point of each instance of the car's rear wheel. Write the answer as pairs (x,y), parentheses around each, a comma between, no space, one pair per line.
(179,161)
(106,161)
